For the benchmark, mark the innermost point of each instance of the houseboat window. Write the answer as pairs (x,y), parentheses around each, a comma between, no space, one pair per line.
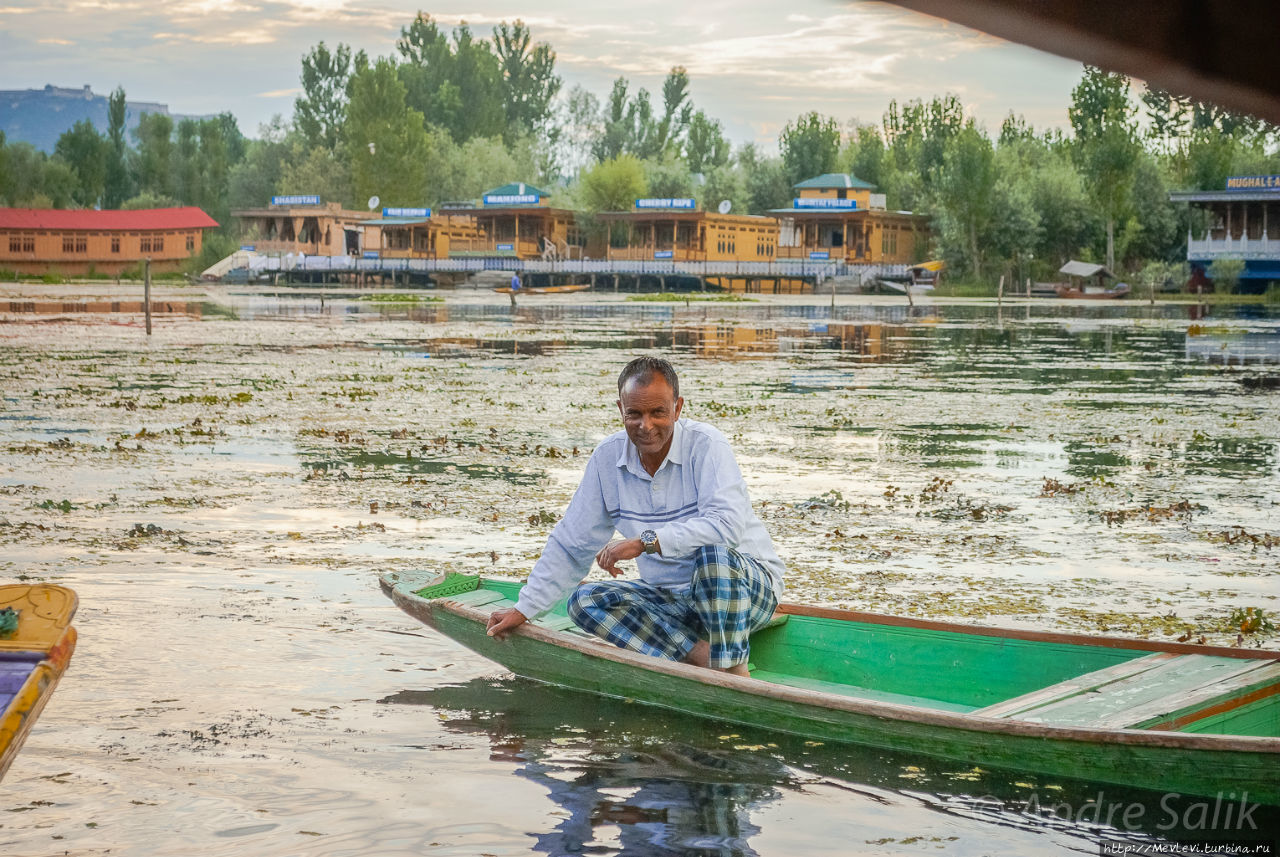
(842,193)
(328,236)
(1273,220)
(28,244)
(1235,222)
(15,244)
(191,243)
(115,243)
(1253,220)
(68,244)
(1218,222)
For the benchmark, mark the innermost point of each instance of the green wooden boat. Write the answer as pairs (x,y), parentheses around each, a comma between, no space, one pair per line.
(1196,720)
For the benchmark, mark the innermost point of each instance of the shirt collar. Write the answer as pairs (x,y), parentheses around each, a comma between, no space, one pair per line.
(630,456)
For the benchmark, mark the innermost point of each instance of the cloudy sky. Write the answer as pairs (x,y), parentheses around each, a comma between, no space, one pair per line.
(754,64)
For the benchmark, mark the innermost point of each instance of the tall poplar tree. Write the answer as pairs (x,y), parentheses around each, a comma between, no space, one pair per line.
(116,184)
(1106,145)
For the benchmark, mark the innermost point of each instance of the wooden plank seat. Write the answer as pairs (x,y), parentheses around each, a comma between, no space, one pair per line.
(855,691)
(1140,693)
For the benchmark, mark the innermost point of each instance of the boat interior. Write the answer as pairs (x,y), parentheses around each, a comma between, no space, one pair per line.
(1048,679)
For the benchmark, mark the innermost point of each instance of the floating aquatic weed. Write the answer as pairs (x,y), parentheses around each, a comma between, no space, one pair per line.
(1251,620)
(1239,535)
(64,506)
(543,517)
(831,499)
(1181,509)
(1054,488)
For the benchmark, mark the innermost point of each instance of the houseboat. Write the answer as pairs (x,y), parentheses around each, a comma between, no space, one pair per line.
(517,221)
(838,216)
(304,224)
(1241,221)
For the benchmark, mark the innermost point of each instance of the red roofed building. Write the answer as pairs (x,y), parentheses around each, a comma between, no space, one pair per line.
(47,240)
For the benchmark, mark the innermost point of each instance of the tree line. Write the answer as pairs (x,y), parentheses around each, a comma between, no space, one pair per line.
(449,114)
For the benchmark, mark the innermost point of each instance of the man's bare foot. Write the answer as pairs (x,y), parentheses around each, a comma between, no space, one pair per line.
(700,656)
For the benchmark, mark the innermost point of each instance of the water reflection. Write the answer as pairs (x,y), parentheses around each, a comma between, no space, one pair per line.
(619,779)
(645,782)
(1238,348)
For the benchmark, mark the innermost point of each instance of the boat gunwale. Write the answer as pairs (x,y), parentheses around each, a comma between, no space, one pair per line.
(403,596)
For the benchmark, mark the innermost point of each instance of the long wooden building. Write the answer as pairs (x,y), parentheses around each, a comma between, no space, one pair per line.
(838,216)
(58,241)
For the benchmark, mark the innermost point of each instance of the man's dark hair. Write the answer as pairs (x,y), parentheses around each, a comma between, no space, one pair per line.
(642,369)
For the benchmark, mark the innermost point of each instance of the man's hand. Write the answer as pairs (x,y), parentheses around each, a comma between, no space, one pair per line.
(503,622)
(615,552)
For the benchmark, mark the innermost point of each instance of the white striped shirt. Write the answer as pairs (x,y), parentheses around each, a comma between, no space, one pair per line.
(695,499)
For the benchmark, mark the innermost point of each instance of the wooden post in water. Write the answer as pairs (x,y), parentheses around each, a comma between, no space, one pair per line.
(1000,291)
(1028,287)
(146,291)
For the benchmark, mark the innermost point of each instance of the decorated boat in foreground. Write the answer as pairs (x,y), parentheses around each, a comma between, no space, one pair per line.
(36,643)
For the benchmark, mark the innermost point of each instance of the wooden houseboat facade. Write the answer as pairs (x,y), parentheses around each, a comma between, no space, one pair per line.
(56,241)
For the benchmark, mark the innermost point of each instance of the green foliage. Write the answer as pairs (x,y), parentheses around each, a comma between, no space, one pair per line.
(613,185)
(318,113)
(386,141)
(456,85)
(117,186)
(85,151)
(1106,145)
(529,81)
(147,199)
(965,194)
(320,171)
(668,178)
(153,158)
(1225,272)
(810,146)
(705,145)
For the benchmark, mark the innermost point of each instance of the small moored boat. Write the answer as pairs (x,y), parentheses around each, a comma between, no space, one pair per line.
(1198,720)
(34,653)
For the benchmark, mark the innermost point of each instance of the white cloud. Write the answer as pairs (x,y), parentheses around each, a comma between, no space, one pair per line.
(752,65)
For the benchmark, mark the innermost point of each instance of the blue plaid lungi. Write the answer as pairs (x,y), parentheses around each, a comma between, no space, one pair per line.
(730,596)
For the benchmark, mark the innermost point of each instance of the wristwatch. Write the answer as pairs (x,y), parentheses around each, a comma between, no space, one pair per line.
(650,541)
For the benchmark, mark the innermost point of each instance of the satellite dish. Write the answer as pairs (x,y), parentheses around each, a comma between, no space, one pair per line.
(725,205)
(373,202)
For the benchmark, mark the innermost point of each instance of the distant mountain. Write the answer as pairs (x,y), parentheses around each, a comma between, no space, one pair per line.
(40,116)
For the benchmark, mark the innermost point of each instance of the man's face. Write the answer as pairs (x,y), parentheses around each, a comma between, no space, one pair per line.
(649,414)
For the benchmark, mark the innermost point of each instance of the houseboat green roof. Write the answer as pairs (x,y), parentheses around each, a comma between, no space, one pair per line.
(516,189)
(834,180)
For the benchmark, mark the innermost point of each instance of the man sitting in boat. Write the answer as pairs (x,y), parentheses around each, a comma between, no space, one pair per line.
(709,575)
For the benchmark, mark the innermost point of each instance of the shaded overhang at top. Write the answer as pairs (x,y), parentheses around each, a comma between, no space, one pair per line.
(1221,51)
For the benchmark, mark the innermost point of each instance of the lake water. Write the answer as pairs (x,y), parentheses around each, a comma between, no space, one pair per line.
(223,496)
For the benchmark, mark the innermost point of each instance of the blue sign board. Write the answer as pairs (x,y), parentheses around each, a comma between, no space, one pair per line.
(819,254)
(663,254)
(511,199)
(684,203)
(248,247)
(505,247)
(371,254)
(297,199)
(818,202)
(1253,183)
(406,212)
